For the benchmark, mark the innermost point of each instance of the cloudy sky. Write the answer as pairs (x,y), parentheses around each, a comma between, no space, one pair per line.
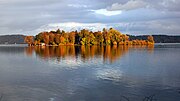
(134,17)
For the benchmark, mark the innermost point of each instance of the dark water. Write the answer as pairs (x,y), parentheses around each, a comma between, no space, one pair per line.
(95,73)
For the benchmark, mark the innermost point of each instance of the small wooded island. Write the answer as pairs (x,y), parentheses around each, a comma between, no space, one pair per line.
(84,37)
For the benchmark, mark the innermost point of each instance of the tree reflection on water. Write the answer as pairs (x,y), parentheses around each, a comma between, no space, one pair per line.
(107,53)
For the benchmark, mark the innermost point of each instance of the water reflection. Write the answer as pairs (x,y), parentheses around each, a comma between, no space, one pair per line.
(11,50)
(77,73)
(108,53)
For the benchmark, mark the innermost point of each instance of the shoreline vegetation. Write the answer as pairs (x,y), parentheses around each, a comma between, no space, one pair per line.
(84,37)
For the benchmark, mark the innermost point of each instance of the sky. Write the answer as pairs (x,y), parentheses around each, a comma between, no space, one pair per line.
(135,17)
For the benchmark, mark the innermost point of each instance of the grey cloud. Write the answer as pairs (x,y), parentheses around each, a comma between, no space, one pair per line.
(130,5)
(26,16)
(168,5)
(171,5)
(29,17)
(169,27)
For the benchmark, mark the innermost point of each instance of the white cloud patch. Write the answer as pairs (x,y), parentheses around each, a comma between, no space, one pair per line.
(130,5)
(72,26)
(77,6)
(106,12)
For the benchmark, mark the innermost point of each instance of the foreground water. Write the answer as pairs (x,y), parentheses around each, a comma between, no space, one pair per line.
(69,73)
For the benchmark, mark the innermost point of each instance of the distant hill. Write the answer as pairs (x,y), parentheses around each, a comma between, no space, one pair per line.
(158,38)
(19,39)
(12,39)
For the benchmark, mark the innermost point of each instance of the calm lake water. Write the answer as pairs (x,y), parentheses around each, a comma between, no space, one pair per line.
(95,73)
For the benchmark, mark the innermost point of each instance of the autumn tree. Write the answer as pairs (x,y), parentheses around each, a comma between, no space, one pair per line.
(29,40)
(40,37)
(65,36)
(62,40)
(57,39)
(58,31)
(51,39)
(72,37)
(150,39)
(46,38)
(93,40)
(106,37)
(99,37)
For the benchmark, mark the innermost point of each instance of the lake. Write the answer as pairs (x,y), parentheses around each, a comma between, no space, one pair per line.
(90,73)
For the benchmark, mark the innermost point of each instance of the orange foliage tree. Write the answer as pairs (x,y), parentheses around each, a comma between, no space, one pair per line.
(29,40)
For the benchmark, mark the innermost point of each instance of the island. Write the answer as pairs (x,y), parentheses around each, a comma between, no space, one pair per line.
(85,37)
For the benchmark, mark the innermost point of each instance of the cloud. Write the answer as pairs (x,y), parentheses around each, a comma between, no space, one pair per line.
(130,5)
(169,27)
(128,16)
(78,5)
(168,5)
(106,12)
(72,26)
(165,5)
